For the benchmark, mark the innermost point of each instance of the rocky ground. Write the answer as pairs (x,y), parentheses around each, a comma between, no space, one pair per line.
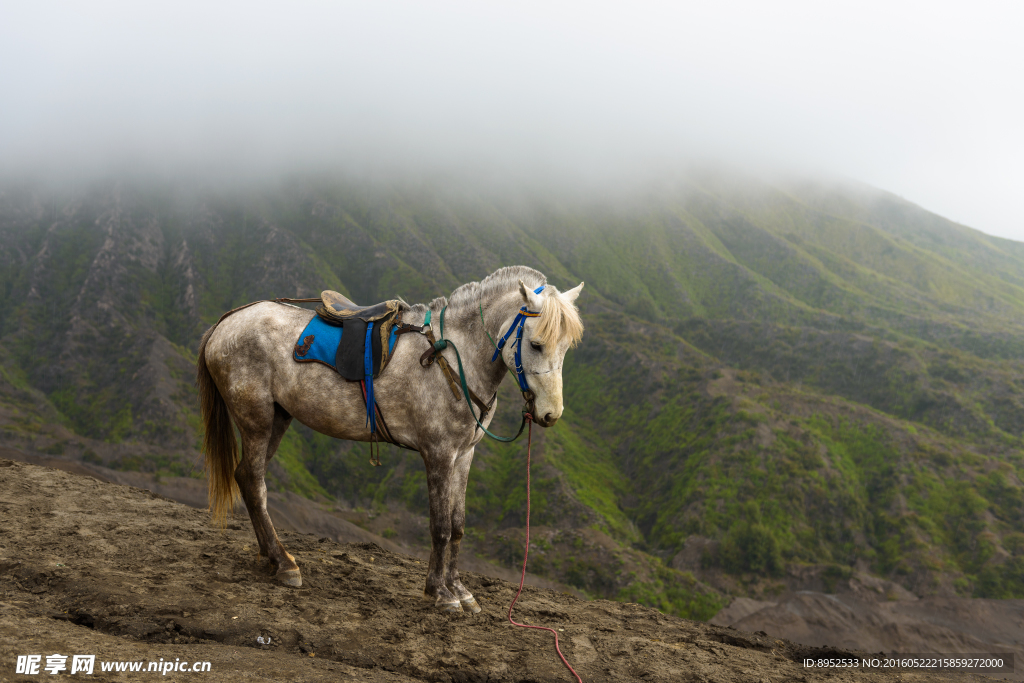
(933,624)
(90,567)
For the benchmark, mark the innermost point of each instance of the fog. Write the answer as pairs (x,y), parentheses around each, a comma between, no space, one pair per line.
(921,99)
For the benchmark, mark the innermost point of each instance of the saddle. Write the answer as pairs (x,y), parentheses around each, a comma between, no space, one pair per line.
(338,307)
(358,341)
(361,347)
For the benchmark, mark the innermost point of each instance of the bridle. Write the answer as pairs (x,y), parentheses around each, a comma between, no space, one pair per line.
(520,375)
(517,326)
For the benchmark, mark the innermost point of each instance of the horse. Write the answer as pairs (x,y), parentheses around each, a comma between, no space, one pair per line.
(247,377)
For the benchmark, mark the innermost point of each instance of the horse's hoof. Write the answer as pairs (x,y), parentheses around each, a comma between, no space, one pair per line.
(450,607)
(471,605)
(290,577)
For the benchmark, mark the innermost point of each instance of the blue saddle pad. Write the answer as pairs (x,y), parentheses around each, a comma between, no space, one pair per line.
(319,343)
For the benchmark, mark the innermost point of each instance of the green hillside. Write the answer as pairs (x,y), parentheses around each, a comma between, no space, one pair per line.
(790,374)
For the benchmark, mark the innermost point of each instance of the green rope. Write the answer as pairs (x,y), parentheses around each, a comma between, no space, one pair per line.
(441,344)
(483,323)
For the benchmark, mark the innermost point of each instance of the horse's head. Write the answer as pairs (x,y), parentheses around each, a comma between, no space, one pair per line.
(546,338)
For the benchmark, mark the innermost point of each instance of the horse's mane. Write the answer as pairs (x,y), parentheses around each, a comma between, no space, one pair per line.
(559,320)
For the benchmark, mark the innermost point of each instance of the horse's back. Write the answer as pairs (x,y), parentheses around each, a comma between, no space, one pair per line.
(258,331)
(251,357)
(250,344)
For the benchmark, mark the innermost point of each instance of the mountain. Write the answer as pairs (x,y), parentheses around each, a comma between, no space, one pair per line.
(778,379)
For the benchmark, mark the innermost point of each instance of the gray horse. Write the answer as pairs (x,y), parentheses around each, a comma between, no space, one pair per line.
(246,375)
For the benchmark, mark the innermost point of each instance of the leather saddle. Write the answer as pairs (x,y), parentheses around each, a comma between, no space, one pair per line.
(350,359)
(338,307)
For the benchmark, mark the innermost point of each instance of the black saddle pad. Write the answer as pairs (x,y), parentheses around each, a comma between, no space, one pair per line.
(350,361)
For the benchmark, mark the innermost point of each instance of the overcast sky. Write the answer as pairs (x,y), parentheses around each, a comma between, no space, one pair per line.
(924,99)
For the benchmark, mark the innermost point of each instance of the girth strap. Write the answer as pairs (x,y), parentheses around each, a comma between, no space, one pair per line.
(371,419)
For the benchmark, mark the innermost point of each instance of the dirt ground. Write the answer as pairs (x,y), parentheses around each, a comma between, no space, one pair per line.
(292,512)
(89,567)
(845,619)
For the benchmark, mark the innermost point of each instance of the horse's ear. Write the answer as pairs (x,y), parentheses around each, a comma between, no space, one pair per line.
(573,293)
(533,301)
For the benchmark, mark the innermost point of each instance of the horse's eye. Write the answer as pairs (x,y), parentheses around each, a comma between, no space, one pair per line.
(537,346)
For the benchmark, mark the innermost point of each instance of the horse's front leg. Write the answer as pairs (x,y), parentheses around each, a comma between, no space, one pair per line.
(458,515)
(440,487)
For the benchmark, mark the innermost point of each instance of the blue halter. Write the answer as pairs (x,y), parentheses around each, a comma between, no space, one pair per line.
(517,327)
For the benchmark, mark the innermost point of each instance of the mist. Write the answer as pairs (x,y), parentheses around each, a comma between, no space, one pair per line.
(920,99)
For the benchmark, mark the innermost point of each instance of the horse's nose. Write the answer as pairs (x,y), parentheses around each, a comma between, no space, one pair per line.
(549,418)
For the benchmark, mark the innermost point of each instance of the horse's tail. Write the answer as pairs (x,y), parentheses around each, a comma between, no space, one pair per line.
(218,441)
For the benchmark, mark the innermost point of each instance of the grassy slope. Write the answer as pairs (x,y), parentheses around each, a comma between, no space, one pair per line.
(807,374)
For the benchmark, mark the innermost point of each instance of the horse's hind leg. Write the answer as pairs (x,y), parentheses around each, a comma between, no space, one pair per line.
(261,433)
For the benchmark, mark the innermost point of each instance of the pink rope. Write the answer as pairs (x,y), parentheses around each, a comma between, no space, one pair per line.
(522,579)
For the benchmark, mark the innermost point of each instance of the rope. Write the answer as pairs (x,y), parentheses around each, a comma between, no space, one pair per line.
(442,344)
(526,554)
(484,324)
